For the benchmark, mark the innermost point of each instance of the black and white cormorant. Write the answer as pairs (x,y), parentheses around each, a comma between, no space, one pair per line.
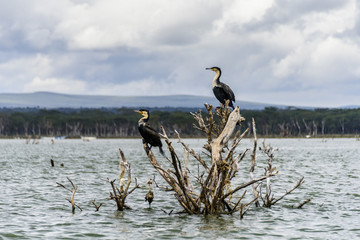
(150,136)
(221,90)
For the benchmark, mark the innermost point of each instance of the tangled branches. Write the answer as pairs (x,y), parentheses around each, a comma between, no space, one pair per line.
(119,194)
(213,193)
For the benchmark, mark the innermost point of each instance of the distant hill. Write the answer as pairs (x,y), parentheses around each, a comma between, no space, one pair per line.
(56,100)
(351,106)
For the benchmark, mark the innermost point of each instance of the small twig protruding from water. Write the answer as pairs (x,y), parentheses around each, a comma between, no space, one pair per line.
(301,180)
(119,194)
(168,213)
(97,207)
(246,207)
(303,203)
(72,201)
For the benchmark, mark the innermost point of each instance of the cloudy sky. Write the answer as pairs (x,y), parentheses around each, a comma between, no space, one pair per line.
(293,52)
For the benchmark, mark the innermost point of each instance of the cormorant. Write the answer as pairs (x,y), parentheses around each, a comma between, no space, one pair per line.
(221,90)
(150,194)
(150,136)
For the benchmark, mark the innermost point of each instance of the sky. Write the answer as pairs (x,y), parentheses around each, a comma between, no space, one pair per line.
(291,52)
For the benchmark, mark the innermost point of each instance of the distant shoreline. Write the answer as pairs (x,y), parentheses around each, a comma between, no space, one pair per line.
(329,136)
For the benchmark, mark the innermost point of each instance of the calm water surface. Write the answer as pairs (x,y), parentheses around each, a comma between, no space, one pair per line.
(33,207)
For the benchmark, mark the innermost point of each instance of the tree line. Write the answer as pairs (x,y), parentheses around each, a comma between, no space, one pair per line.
(122,122)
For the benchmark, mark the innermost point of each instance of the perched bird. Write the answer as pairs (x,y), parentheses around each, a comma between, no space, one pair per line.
(221,90)
(150,136)
(149,195)
(122,184)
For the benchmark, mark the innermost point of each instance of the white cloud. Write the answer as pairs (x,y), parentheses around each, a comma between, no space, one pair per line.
(331,22)
(139,24)
(132,88)
(321,63)
(55,85)
(237,13)
(334,61)
(16,72)
(150,87)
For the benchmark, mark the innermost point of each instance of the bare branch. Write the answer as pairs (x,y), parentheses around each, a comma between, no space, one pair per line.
(248,184)
(252,168)
(72,184)
(119,194)
(238,202)
(60,185)
(72,201)
(242,213)
(301,180)
(192,152)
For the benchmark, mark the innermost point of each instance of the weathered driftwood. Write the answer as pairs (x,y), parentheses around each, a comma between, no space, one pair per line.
(210,191)
(119,194)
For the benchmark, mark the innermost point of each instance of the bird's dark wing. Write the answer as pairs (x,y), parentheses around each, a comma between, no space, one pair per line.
(228,91)
(150,135)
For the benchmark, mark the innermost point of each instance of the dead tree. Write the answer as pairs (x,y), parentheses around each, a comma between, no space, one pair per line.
(119,194)
(298,127)
(315,128)
(323,127)
(213,192)
(342,124)
(307,127)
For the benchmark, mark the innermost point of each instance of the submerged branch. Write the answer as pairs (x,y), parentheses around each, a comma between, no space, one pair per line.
(97,207)
(301,180)
(303,203)
(72,199)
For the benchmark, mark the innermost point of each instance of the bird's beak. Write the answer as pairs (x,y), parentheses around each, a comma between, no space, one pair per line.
(137,111)
(207,68)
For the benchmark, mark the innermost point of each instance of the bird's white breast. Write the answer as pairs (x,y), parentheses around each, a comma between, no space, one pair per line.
(215,81)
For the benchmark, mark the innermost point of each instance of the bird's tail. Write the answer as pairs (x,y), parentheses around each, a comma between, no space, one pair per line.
(161,151)
(231,105)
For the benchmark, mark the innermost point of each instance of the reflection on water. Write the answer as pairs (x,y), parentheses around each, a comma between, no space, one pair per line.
(32,206)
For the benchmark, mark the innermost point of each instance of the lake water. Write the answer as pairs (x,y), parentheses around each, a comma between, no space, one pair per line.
(33,207)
